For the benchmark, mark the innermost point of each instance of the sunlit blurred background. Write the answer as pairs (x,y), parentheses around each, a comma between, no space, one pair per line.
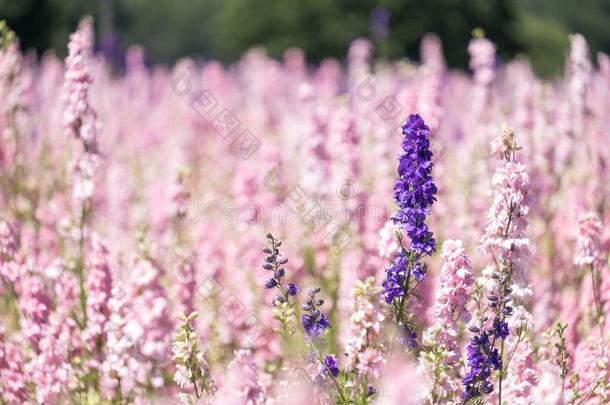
(224,29)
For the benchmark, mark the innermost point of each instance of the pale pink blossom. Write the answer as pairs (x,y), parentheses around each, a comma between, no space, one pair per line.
(120,369)
(50,369)
(521,375)
(35,306)
(364,346)
(454,289)
(401,383)
(588,242)
(482,59)
(13,378)
(11,268)
(242,384)
(149,323)
(9,244)
(592,363)
(507,217)
(82,172)
(455,284)
(80,119)
(186,286)
(99,288)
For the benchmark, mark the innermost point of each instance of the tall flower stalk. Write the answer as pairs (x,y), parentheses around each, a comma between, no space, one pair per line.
(589,256)
(99,288)
(365,348)
(192,369)
(414,193)
(284,304)
(80,122)
(506,243)
(441,359)
(313,321)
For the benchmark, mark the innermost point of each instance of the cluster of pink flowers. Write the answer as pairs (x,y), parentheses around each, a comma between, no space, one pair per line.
(99,286)
(50,370)
(150,329)
(122,371)
(142,195)
(451,312)
(522,376)
(589,241)
(80,119)
(507,218)
(35,307)
(10,266)
(243,384)
(364,347)
(591,360)
(455,281)
(13,379)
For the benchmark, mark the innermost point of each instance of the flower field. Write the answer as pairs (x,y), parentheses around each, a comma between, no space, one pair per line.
(359,232)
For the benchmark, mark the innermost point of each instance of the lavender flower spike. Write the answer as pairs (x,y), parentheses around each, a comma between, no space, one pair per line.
(414,190)
(414,194)
(313,320)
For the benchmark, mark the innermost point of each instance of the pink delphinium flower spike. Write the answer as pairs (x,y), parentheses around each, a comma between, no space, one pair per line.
(119,375)
(51,370)
(482,62)
(150,324)
(186,285)
(13,378)
(588,242)
(590,257)
(579,71)
(399,374)
(503,290)
(35,306)
(432,70)
(242,384)
(441,364)
(99,288)
(364,347)
(592,367)
(80,120)
(522,375)
(11,268)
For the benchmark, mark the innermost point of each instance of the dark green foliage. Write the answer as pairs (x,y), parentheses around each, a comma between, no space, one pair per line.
(224,29)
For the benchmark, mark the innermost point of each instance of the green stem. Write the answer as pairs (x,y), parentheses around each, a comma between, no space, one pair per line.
(501,373)
(339,390)
(596,297)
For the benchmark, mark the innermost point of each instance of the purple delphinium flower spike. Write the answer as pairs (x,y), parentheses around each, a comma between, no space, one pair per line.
(313,320)
(274,263)
(414,189)
(414,193)
(331,365)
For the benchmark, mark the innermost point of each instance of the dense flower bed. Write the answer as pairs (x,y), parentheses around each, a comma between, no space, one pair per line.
(368,232)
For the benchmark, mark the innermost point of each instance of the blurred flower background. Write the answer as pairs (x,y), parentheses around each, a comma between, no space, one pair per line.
(328,202)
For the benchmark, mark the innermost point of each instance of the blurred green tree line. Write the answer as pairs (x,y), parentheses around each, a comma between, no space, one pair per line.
(224,29)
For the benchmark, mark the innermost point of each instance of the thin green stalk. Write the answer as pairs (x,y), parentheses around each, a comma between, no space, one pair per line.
(339,390)
(501,373)
(596,297)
